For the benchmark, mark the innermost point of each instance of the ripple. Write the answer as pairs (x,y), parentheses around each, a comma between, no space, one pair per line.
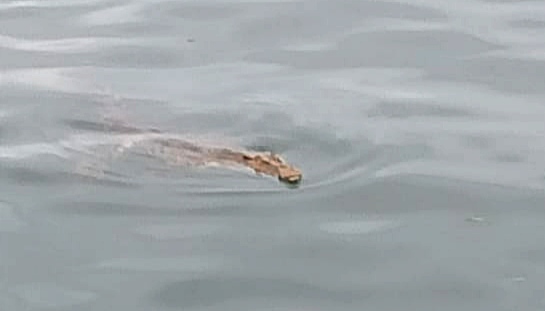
(104,127)
(212,291)
(308,47)
(518,175)
(168,232)
(51,295)
(187,264)
(380,48)
(530,53)
(77,143)
(522,75)
(121,14)
(199,11)
(18,152)
(405,110)
(285,23)
(47,4)
(52,79)
(68,45)
(528,23)
(357,227)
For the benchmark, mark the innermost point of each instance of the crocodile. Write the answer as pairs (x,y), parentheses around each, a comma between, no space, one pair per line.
(181,151)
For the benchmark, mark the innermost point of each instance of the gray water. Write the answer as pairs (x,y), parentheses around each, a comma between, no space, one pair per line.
(418,124)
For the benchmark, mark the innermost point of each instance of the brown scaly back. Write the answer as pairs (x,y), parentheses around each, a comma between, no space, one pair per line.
(273,165)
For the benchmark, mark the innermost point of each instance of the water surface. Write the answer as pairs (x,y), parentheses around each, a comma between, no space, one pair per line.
(418,126)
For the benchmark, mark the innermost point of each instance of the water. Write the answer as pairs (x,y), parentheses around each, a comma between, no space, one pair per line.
(418,126)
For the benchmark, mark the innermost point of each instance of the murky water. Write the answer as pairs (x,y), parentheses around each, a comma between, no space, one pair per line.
(419,126)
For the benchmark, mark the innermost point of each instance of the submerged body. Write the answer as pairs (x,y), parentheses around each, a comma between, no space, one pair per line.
(177,151)
(182,151)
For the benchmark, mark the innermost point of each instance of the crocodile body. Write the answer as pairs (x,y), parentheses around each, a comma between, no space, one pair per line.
(177,151)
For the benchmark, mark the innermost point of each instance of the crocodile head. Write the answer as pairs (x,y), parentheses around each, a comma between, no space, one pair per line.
(273,165)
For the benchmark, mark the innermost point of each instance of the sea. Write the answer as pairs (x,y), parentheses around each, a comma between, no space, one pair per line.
(419,126)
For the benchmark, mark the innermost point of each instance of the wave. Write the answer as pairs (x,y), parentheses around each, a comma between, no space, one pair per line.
(78,143)
(66,45)
(47,4)
(128,13)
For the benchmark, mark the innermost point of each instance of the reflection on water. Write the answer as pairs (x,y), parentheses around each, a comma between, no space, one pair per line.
(418,127)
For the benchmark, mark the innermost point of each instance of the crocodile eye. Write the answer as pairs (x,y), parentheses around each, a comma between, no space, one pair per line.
(276,158)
